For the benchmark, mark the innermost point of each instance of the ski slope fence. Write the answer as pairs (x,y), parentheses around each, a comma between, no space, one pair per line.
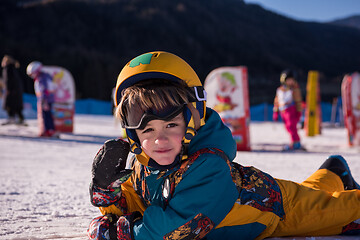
(261,112)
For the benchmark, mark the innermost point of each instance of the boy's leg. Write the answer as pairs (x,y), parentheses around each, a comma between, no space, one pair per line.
(333,175)
(324,179)
(314,212)
(339,166)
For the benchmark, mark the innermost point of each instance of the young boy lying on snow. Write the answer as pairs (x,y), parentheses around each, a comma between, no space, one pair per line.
(183,183)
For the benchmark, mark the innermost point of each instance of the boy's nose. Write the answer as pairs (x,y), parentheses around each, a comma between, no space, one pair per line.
(161,138)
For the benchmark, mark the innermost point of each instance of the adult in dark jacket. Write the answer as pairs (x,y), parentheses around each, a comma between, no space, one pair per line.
(13,99)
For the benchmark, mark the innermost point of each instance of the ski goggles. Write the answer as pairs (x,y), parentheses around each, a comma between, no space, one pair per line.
(136,118)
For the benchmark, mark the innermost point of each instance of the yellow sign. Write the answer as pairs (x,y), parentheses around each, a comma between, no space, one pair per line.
(313,110)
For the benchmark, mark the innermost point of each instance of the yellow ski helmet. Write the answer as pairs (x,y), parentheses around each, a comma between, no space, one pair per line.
(163,65)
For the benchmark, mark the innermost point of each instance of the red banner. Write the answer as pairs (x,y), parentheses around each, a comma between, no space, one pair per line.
(350,93)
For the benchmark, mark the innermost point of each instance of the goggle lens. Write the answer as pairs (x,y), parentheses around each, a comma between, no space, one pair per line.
(136,118)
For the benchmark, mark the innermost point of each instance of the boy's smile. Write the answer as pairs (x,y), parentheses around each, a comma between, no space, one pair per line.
(161,140)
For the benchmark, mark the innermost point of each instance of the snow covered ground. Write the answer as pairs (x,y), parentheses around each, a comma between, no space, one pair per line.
(44,182)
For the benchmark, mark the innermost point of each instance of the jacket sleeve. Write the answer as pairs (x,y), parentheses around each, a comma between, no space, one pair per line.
(129,201)
(200,201)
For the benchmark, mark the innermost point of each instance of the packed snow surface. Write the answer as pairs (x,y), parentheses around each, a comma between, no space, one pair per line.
(44,182)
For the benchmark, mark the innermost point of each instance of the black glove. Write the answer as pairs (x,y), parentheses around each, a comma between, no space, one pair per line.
(108,172)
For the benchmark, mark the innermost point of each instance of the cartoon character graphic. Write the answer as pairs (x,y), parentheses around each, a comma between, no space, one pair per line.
(62,91)
(227,94)
(227,86)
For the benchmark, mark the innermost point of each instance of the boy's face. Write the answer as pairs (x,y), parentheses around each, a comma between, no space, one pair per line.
(161,140)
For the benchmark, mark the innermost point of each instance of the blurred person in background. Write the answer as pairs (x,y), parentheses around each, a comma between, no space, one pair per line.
(13,90)
(44,90)
(288,103)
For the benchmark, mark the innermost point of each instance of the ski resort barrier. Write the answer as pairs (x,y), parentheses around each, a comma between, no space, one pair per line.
(259,112)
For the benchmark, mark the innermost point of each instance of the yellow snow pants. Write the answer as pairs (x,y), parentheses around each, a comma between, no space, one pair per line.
(318,206)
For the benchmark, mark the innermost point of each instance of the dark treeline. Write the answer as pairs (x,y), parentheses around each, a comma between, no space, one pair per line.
(95,38)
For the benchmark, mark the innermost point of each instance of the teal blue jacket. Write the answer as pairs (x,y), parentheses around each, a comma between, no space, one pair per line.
(201,189)
(209,193)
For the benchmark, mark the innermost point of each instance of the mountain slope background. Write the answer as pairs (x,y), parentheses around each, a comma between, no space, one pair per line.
(94,39)
(352,21)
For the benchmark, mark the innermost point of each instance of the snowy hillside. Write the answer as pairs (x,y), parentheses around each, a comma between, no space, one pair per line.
(44,182)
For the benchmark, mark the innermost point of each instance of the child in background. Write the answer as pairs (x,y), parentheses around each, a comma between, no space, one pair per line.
(44,90)
(184,183)
(288,102)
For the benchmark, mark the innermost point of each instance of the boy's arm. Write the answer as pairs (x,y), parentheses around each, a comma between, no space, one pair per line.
(129,202)
(109,173)
(111,190)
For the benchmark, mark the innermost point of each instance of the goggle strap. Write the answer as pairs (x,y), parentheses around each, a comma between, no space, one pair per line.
(195,116)
(201,107)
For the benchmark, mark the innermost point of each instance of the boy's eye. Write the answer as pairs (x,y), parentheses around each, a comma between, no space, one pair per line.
(170,125)
(147,130)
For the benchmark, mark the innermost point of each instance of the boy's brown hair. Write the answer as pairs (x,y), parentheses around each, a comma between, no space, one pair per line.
(152,94)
